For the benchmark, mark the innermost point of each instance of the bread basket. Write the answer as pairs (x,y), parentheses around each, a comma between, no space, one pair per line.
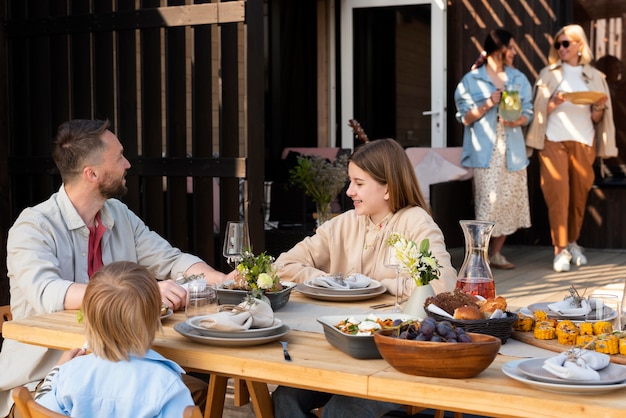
(500,328)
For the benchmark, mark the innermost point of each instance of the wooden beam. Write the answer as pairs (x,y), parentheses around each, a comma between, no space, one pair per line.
(158,17)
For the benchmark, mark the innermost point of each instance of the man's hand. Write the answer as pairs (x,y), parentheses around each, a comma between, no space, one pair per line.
(172,294)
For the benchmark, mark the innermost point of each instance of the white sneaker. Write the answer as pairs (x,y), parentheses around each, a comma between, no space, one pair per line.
(561,261)
(576,251)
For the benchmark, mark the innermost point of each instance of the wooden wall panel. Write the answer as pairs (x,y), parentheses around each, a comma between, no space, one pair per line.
(148,67)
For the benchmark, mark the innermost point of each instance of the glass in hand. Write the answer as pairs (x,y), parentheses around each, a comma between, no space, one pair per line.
(510,108)
(236,241)
(391,262)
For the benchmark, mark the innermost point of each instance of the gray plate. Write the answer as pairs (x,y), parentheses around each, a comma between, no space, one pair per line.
(193,334)
(611,374)
(357,346)
(372,288)
(249,333)
(315,294)
(167,314)
(512,370)
(610,314)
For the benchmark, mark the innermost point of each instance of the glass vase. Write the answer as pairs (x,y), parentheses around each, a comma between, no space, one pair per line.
(324,213)
(475,276)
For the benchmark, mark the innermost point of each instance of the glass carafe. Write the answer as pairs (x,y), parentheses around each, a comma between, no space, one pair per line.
(475,277)
(510,108)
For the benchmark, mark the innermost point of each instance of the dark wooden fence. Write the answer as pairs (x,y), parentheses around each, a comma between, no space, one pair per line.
(174,81)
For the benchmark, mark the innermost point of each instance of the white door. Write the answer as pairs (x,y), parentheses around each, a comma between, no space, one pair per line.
(418,98)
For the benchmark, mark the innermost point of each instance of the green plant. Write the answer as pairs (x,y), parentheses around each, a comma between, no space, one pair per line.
(320,179)
(257,274)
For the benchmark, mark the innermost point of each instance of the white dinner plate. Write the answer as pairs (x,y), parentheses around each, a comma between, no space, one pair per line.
(543,306)
(611,374)
(374,286)
(193,334)
(511,369)
(249,333)
(316,294)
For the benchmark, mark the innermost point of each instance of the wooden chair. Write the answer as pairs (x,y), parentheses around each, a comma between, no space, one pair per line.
(5,315)
(31,409)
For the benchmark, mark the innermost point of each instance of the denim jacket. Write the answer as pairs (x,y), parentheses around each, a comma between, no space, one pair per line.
(479,137)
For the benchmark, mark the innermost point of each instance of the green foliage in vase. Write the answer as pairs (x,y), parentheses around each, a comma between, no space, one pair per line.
(320,179)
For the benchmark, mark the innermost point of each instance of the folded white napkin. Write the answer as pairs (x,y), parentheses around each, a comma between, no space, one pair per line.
(565,307)
(248,314)
(577,364)
(227,321)
(353,281)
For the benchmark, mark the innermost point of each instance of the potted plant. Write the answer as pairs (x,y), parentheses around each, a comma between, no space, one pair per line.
(321,180)
(256,277)
(421,265)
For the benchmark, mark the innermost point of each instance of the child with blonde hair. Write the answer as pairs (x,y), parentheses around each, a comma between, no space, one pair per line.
(122,376)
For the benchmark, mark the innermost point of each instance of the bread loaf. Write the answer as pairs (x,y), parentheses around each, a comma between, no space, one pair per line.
(468,313)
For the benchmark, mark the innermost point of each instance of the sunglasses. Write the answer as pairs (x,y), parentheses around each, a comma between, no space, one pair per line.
(557,45)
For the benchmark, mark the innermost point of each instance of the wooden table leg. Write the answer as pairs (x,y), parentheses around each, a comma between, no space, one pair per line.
(242,396)
(261,400)
(215,396)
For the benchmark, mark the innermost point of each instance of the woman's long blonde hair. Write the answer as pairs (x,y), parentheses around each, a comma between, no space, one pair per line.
(386,161)
(121,310)
(574,33)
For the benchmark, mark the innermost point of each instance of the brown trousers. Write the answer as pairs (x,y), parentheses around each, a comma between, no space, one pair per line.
(197,387)
(566,174)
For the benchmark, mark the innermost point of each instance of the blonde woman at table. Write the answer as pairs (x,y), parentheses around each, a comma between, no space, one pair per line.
(122,376)
(54,247)
(386,198)
(569,136)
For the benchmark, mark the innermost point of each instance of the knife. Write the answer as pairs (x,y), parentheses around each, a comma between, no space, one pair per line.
(285,352)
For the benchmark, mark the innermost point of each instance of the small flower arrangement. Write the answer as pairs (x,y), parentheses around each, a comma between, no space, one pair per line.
(419,262)
(257,274)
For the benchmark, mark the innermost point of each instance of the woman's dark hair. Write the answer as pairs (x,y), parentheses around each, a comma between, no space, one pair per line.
(494,42)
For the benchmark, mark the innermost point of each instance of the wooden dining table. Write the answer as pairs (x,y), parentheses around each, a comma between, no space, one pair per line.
(318,365)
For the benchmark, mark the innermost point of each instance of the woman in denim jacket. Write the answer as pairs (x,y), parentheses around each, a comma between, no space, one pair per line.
(495,147)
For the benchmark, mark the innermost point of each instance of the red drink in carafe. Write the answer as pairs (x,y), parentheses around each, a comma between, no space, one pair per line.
(477,286)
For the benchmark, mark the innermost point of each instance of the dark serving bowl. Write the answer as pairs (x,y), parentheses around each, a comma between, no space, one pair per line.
(234,296)
(357,346)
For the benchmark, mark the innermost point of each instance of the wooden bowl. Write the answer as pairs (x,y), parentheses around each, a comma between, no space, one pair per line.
(438,359)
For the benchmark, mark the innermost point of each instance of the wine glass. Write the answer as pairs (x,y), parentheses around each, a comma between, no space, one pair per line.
(236,241)
(391,262)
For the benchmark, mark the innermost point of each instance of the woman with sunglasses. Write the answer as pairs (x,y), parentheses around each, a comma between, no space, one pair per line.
(569,134)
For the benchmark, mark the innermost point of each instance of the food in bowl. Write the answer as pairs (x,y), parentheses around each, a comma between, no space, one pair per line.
(438,359)
(365,326)
(358,346)
(430,330)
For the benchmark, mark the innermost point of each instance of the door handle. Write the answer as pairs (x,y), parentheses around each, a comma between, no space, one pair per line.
(430,112)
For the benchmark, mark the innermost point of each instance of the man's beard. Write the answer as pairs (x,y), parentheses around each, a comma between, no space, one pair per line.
(113,188)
